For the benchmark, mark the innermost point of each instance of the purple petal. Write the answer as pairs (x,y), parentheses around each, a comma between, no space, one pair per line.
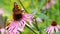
(50,29)
(56,28)
(47,29)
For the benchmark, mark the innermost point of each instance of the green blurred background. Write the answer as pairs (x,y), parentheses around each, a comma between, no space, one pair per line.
(33,7)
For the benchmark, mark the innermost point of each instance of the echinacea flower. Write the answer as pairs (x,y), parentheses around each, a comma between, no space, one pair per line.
(48,4)
(19,25)
(54,27)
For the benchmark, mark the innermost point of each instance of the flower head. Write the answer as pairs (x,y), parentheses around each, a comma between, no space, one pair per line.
(54,23)
(20,24)
(54,27)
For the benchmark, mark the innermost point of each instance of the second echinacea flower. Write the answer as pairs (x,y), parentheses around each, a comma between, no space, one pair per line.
(54,27)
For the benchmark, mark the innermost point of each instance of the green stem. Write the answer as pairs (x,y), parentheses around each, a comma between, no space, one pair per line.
(31,29)
(23,6)
(36,25)
(5,19)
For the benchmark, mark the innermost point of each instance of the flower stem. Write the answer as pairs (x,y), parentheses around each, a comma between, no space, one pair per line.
(23,6)
(31,29)
(37,27)
(5,19)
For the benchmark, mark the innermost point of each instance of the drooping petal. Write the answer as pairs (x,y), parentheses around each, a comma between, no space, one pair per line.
(21,26)
(47,29)
(22,23)
(11,26)
(15,28)
(12,32)
(52,29)
(56,28)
